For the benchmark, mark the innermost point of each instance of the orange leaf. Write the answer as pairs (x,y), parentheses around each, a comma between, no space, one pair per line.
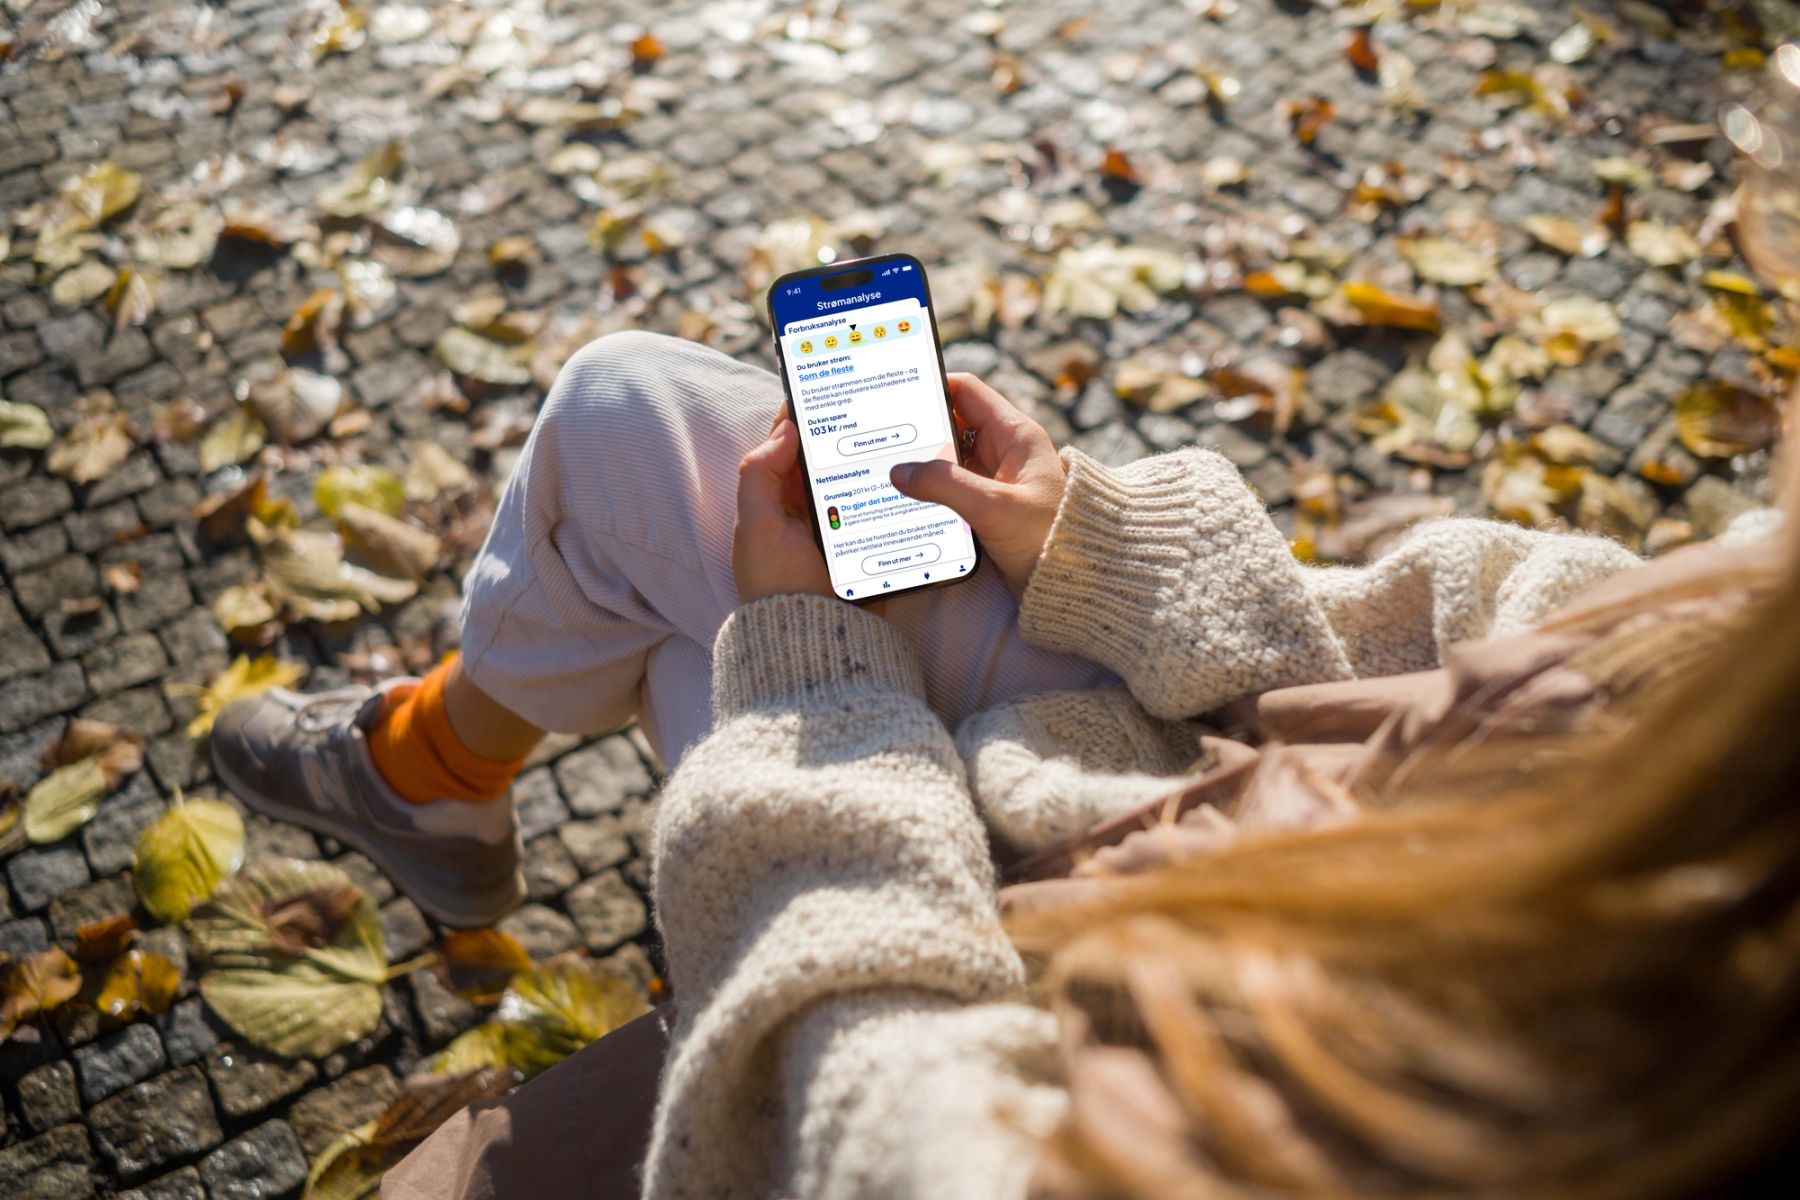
(476,964)
(138,983)
(1360,51)
(35,985)
(1116,165)
(103,940)
(1377,306)
(646,49)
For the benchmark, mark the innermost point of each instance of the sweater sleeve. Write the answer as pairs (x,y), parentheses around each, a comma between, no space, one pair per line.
(849,1023)
(1170,573)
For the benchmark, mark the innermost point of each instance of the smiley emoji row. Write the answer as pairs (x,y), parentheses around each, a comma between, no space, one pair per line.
(854,337)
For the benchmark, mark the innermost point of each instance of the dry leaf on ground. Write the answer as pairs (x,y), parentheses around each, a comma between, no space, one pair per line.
(37,984)
(244,677)
(24,427)
(1722,420)
(367,189)
(184,854)
(300,993)
(477,964)
(351,1167)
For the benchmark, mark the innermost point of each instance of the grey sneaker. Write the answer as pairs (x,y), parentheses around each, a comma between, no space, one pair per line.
(305,759)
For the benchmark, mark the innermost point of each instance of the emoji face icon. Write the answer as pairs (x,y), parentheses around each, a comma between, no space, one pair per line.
(881,331)
(806,347)
(831,341)
(904,326)
(855,336)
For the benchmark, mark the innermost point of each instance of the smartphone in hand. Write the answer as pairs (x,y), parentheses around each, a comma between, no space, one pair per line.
(864,374)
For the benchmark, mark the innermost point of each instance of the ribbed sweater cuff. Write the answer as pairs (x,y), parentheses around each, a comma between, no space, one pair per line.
(1118,544)
(788,650)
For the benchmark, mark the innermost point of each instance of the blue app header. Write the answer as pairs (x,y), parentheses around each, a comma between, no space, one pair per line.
(890,279)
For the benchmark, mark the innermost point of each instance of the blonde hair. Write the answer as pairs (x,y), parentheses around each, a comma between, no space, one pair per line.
(1574,974)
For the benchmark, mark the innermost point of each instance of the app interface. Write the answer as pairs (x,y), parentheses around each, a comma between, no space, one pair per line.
(862,366)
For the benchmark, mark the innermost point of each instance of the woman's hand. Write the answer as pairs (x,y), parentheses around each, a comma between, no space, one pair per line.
(772,548)
(1012,487)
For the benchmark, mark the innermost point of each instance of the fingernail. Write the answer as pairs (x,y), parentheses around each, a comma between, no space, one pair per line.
(901,475)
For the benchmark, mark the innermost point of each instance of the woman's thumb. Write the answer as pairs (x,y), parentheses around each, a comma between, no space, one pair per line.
(940,481)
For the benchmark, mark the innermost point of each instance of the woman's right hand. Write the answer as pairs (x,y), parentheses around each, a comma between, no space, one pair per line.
(1009,491)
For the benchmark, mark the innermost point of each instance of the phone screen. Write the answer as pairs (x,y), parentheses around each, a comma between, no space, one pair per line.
(861,363)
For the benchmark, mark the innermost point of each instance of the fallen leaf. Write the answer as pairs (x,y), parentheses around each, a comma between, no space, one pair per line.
(580,115)
(477,964)
(138,983)
(123,578)
(179,237)
(514,253)
(1524,489)
(132,298)
(275,231)
(65,800)
(368,188)
(36,984)
(94,445)
(312,327)
(482,359)
(82,205)
(307,571)
(385,544)
(1377,306)
(1360,53)
(1100,280)
(1722,420)
(295,405)
(105,939)
(646,49)
(416,242)
(231,440)
(1157,385)
(244,677)
(1116,164)
(370,293)
(1626,172)
(359,483)
(80,284)
(1568,237)
(1570,326)
(24,427)
(1307,117)
(545,1015)
(184,854)
(1450,262)
(1573,44)
(272,986)
(1622,509)
(1426,415)
(351,1167)
(430,471)
(247,613)
(1662,245)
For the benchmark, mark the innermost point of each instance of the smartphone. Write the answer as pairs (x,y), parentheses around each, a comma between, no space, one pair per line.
(864,373)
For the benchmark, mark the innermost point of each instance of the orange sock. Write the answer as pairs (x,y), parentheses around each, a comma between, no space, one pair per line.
(419,754)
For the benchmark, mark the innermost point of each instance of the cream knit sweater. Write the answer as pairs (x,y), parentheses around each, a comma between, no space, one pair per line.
(852,1020)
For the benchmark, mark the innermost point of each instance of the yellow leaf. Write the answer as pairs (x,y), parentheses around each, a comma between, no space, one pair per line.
(24,427)
(138,983)
(35,985)
(244,677)
(65,800)
(1450,262)
(1377,306)
(1723,420)
(182,856)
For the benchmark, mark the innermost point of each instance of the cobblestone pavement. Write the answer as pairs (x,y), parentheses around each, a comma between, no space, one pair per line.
(1046,160)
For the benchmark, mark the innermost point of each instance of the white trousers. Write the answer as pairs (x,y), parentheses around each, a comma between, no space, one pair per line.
(607,572)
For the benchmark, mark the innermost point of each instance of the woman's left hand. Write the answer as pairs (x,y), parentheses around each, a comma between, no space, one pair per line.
(772,549)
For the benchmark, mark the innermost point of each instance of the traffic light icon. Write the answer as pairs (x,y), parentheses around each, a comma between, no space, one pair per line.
(831,514)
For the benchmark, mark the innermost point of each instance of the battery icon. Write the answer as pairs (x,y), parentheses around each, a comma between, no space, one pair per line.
(831,514)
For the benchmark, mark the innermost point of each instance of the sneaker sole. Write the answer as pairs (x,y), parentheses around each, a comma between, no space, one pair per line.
(432,906)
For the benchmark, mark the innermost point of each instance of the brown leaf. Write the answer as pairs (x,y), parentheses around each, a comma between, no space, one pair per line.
(295,405)
(1367,524)
(477,964)
(1722,420)
(1114,164)
(1360,52)
(313,326)
(95,444)
(387,544)
(276,231)
(34,985)
(104,940)
(1307,117)
(119,750)
(309,920)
